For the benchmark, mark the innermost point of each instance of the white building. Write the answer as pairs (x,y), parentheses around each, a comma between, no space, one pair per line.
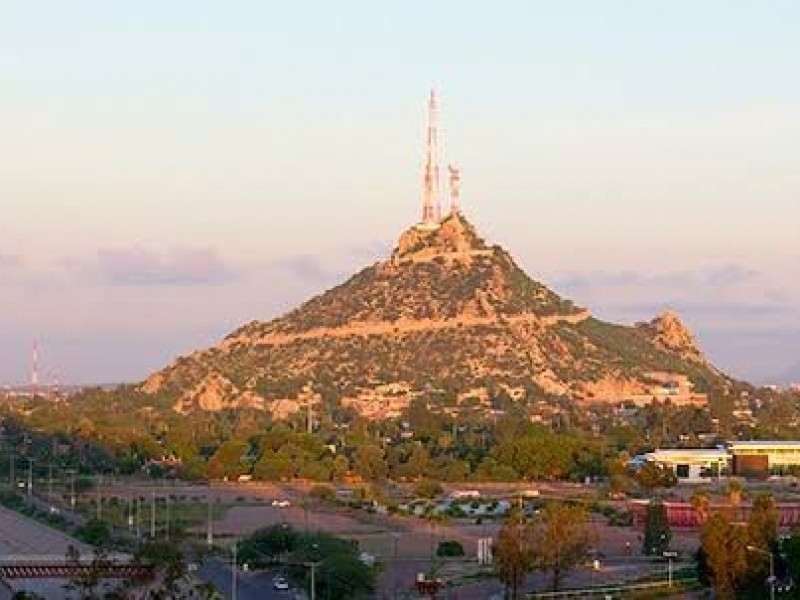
(692,464)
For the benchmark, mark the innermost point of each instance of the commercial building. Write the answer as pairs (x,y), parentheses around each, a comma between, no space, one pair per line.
(753,459)
(764,458)
(692,464)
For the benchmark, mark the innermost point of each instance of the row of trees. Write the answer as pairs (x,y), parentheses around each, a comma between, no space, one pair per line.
(124,429)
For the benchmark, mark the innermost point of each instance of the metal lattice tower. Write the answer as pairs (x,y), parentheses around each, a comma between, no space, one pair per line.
(431,196)
(35,367)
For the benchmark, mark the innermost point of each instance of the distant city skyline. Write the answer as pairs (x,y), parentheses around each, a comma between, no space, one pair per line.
(170,172)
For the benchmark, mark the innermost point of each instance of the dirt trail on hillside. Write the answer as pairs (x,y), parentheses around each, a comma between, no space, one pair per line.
(403,326)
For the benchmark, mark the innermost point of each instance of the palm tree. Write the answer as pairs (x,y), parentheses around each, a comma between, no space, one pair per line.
(735,489)
(701,505)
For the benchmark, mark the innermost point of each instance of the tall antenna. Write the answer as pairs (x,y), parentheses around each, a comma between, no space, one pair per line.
(55,383)
(431,200)
(35,367)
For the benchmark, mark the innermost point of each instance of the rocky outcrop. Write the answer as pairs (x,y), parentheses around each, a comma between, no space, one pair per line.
(452,239)
(669,332)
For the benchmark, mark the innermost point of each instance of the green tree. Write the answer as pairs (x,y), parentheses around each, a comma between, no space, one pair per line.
(369,462)
(762,533)
(791,548)
(86,584)
(226,462)
(513,554)
(762,526)
(723,548)
(657,533)
(272,467)
(342,576)
(562,540)
(267,544)
(170,566)
(94,532)
(652,476)
(428,488)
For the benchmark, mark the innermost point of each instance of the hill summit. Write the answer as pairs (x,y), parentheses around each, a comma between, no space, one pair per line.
(445,316)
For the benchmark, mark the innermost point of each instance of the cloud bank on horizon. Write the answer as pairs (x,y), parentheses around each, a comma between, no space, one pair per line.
(168,174)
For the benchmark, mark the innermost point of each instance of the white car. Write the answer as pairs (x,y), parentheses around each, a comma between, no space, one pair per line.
(280,583)
(281,503)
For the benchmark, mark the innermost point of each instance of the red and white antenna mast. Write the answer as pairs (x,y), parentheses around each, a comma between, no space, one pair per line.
(35,367)
(55,383)
(431,197)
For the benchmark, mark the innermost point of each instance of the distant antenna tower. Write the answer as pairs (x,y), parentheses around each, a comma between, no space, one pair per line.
(35,367)
(55,384)
(431,197)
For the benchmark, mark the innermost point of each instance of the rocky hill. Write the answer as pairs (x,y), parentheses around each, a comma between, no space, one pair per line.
(446,315)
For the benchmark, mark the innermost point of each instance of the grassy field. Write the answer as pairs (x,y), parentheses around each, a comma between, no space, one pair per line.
(177,515)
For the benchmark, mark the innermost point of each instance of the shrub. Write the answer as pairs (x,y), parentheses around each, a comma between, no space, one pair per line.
(450,548)
(322,492)
(428,488)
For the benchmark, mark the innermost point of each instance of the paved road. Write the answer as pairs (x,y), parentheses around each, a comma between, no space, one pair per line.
(251,586)
(21,535)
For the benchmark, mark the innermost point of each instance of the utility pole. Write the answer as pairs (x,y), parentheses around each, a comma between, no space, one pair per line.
(71,488)
(166,500)
(11,465)
(30,477)
(138,501)
(152,515)
(130,514)
(100,498)
(50,482)
(234,581)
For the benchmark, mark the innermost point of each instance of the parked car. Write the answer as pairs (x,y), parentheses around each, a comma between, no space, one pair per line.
(280,583)
(281,503)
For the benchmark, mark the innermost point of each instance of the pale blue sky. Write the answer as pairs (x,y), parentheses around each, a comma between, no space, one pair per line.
(169,170)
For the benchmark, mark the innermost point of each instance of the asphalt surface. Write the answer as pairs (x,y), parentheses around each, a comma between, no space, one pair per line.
(20,535)
(250,586)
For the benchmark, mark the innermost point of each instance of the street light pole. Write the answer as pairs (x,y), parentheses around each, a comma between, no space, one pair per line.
(138,501)
(30,477)
(234,581)
(209,530)
(100,498)
(152,515)
(72,489)
(669,556)
(771,568)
